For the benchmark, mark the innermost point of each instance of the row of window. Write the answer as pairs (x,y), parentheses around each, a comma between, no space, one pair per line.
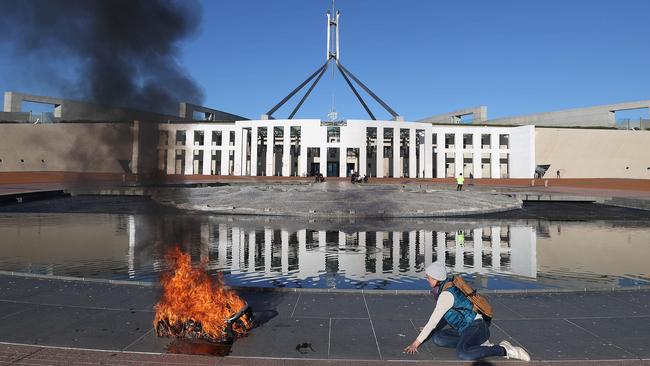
(334,136)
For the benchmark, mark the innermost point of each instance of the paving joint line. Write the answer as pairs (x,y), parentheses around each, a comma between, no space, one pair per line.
(329,339)
(73,306)
(638,357)
(137,340)
(295,305)
(27,355)
(372,326)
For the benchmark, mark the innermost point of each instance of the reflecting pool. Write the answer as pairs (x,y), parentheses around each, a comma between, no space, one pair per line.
(276,252)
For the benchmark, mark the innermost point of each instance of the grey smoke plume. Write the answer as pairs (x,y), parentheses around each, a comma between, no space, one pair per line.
(124,52)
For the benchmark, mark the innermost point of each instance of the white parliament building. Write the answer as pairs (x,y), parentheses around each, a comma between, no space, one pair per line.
(376,148)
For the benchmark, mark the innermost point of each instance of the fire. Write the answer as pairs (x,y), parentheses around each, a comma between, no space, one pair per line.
(195,305)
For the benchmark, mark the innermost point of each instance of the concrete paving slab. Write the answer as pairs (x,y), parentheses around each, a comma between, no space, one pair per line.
(149,342)
(108,330)
(393,335)
(502,309)
(330,305)
(37,323)
(399,307)
(567,305)
(557,339)
(635,299)
(281,337)
(10,308)
(631,334)
(283,303)
(353,339)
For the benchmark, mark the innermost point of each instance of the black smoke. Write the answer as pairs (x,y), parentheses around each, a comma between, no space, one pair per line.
(115,52)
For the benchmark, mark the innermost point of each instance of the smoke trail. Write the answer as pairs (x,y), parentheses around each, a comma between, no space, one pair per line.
(115,52)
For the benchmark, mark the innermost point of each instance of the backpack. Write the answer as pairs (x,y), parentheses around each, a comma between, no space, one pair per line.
(480,303)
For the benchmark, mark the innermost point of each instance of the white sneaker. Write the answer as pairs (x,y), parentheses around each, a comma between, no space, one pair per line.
(487,344)
(514,352)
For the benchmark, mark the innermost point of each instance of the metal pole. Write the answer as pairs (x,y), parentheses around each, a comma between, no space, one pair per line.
(372,116)
(277,106)
(293,113)
(381,102)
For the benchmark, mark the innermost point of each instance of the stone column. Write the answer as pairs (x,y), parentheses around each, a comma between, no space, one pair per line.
(396,153)
(495,168)
(286,151)
(240,151)
(225,157)
(441,171)
(343,160)
(441,245)
(323,160)
(302,248)
(222,252)
(459,156)
(496,248)
(412,253)
(236,249)
(380,152)
(171,157)
(413,167)
(270,146)
(428,154)
(207,153)
(302,160)
(363,154)
(396,239)
(189,152)
(254,151)
(476,155)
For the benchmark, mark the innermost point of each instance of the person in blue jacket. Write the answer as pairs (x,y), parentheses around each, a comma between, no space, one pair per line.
(468,332)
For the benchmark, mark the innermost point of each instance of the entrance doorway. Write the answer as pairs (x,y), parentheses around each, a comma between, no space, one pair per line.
(332,169)
(315,169)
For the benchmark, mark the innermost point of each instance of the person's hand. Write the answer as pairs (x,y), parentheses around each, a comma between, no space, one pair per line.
(413,347)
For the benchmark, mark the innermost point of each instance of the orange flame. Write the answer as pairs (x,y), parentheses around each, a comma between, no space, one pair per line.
(191,296)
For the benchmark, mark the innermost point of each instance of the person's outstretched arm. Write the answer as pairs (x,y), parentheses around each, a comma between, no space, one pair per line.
(444,303)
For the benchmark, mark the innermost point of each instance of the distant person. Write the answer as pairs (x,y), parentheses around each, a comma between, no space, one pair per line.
(471,178)
(557,174)
(468,331)
(460,180)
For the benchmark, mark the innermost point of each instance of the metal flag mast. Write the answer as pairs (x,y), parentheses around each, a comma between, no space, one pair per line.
(333,55)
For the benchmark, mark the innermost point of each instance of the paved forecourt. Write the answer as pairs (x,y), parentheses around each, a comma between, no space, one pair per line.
(333,325)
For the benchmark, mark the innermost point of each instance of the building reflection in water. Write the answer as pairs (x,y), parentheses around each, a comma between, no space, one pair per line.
(259,255)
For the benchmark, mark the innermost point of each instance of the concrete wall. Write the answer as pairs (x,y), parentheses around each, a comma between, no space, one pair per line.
(598,116)
(593,153)
(74,147)
(479,115)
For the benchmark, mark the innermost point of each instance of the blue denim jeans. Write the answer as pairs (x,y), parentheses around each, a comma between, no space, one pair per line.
(468,343)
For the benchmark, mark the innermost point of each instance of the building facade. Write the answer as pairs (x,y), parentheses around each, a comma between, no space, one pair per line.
(336,149)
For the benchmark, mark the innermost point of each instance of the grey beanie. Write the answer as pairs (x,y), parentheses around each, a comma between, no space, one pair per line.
(437,271)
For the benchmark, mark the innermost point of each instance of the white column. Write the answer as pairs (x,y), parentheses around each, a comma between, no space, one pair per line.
(286,150)
(495,168)
(363,154)
(362,239)
(207,154)
(205,242)
(380,152)
(302,160)
(379,256)
(413,167)
(428,154)
(189,152)
(496,248)
(254,151)
(240,150)
(343,160)
(268,249)
(251,251)
(284,259)
(476,155)
(171,160)
(460,258)
(341,239)
(322,239)
(270,145)
(478,250)
(421,162)
(225,158)
(302,248)
(323,160)
(397,144)
(428,247)
(459,156)
(441,171)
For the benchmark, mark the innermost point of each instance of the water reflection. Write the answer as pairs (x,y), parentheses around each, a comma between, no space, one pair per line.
(385,255)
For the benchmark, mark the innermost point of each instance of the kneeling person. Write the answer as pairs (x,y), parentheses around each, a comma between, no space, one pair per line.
(468,332)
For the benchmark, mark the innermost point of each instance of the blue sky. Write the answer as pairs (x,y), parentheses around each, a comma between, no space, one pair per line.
(421,57)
